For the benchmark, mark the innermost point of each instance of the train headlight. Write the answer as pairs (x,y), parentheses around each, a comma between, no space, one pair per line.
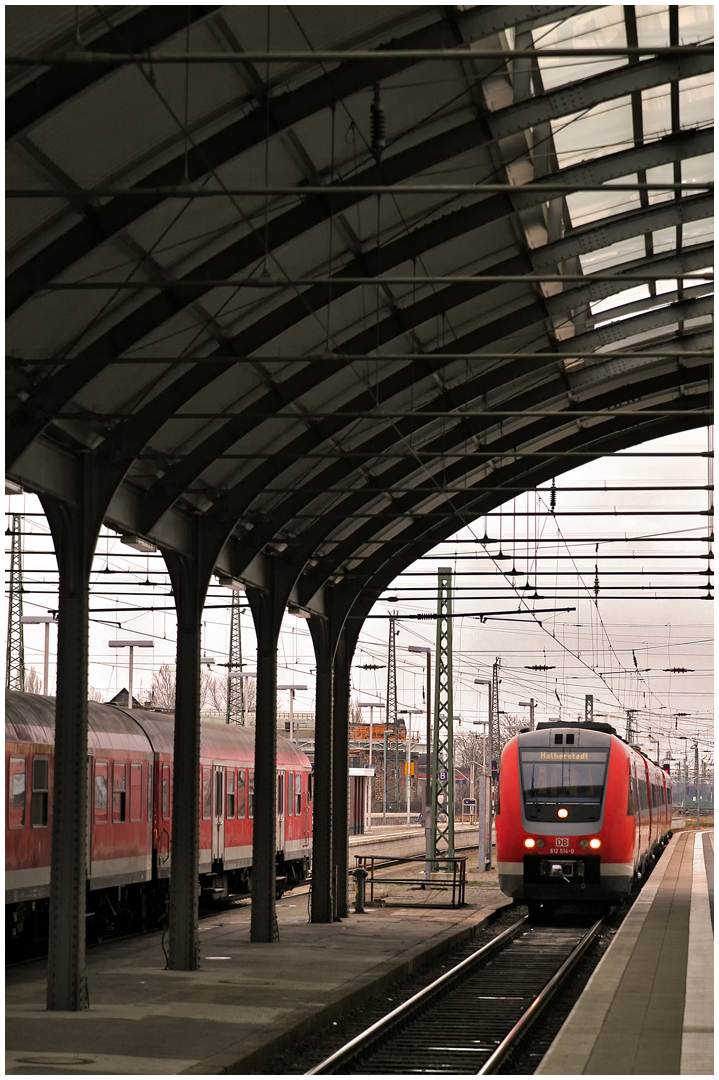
(562,813)
(595,843)
(529,842)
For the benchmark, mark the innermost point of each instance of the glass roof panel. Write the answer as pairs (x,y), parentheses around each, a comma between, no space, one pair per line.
(664,240)
(696,101)
(663,174)
(623,251)
(592,29)
(586,206)
(605,129)
(696,23)
(697,232)
(698,169)
(652,24)
(641,292)
(656,112)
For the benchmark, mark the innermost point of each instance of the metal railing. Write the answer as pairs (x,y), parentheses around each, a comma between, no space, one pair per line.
(458,882)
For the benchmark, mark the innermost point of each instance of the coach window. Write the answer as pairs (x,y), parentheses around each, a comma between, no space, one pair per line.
(206,792)
(40,791)
(241,811)
(298,793)
(290,793)
(101,793)
(630,799)
(230,793)
(16,792)
(309,788)
(165,792)
(135,791)
(251,794)
(149,791)
(119,792)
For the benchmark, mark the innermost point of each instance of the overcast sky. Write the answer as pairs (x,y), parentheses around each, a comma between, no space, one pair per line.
(647,618)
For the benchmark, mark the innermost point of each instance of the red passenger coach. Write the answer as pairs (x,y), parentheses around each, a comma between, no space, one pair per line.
(581,815)
(130,766)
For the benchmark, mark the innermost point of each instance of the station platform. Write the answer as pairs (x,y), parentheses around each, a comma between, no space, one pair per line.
(246,1002)
(648,1008)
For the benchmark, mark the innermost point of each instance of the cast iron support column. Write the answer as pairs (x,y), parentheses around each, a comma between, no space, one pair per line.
(267,611)
(340,774)
(323,902)
(189,585)
(74,531)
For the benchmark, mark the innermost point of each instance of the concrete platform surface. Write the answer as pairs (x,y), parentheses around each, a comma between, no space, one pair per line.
(245,1001)
(648,1009)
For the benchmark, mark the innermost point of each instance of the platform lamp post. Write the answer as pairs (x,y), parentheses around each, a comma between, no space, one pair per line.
(47,619)
(131,645)
(427,650)
(684,739)
(239,674)
(292,687)
(530,704)
(371,705)
(486,839)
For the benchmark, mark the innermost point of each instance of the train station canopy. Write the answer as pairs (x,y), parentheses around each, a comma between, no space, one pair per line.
(323,282)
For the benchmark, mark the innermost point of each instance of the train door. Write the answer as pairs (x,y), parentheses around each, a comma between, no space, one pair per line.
(218,814)
(280,811)
(90,804)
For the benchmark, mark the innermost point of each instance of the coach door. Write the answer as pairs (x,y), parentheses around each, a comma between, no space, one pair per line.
(280,811)
(90,805)
(218,815)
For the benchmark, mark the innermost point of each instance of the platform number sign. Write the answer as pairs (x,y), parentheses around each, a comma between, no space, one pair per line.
(443,776)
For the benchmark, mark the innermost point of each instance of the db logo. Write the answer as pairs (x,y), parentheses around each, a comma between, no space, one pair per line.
(561,841)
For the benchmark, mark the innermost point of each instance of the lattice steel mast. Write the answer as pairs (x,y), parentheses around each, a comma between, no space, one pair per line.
(15,657)
(235,682)
(497,735)
(442,749)
(392,719)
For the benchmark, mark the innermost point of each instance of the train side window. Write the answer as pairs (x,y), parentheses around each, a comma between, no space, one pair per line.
(230,812)
(40,791)
(135,791)
(149,791)
(630,799)
(206,792)
(309,788)
(241,793)
(280,793)
(298,793)
(16,793)
(290,791)
(251,794)
(165,792)
(119,792)
(101,793)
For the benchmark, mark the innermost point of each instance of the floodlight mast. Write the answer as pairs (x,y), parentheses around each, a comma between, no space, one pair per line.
(488,836)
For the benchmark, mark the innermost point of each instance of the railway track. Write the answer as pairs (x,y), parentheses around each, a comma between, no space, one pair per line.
(471,1018)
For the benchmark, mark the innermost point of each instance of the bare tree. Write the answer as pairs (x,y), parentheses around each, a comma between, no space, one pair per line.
(509,726)
(93,694)
(162,688)
(250,694)
(355,711)
(468,750)
(32,682)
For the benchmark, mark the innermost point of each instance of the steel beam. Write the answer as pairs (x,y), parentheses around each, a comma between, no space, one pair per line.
(340,772)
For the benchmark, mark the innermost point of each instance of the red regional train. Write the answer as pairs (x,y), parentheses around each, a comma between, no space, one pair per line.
(581,815)
(129,825)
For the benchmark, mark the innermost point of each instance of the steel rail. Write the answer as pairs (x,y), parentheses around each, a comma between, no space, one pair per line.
(52,58)
(194,191)
(417,282)
(334,357)
(346,1052)
(539,1003)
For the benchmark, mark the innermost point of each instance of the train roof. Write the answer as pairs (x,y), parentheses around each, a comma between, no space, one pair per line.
(30,718)
(582,725)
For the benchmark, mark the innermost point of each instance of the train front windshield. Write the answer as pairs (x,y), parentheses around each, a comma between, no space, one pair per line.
(563,774)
